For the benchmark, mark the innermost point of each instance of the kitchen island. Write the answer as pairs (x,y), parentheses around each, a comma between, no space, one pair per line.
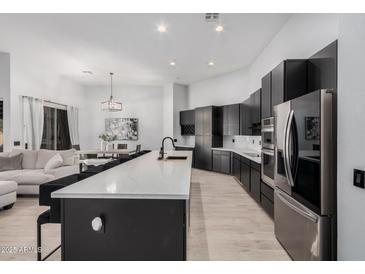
(135,211)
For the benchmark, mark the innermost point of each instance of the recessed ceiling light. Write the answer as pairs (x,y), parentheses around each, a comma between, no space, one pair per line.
(162,28)
(211,64)
(172,63)
(87,72)
(219,28)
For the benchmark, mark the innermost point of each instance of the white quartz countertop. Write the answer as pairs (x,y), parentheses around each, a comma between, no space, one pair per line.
(144,177)
(243,152)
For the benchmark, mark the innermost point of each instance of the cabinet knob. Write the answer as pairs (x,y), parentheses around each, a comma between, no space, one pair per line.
(97,224)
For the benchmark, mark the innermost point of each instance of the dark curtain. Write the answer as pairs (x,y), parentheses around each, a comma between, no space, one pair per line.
(55,130)
(63,133)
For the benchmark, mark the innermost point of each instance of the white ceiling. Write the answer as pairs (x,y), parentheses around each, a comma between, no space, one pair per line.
(130,46)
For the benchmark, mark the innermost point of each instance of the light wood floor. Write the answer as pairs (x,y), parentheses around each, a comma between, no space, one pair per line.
(226,224)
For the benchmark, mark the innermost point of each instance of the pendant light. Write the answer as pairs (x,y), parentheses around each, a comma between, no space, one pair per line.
(111,105)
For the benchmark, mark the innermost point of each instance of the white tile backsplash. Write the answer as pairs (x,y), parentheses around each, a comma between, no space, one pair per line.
(246,142)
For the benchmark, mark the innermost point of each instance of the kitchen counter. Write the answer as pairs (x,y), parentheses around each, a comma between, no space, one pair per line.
(142,178)
(243,152)
(187,146)
(138,210)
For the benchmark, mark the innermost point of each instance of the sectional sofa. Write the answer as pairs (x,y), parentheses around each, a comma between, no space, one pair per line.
(33,172)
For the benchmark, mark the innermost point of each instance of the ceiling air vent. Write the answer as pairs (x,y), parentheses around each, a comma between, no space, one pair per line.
(211,17)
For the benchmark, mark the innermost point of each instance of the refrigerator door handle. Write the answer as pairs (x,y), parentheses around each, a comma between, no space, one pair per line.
(286,148)
(310,216)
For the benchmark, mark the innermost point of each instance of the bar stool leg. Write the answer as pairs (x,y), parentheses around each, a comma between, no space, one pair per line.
(39,242)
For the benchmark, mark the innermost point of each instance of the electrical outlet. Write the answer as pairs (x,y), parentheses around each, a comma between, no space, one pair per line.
(359,178)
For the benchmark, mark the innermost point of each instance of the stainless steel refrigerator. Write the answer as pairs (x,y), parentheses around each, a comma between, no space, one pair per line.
(305,180)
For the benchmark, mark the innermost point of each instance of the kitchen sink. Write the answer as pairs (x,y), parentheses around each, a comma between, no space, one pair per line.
(176,157)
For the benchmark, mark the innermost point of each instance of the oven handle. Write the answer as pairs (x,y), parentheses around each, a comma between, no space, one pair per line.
(267,152)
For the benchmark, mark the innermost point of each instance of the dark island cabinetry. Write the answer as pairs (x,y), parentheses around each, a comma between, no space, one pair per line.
(132,230)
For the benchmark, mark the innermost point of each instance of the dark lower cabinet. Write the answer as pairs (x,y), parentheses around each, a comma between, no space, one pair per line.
(267,199)
(221,161)
(236,167)
(255,190)
(245,176)
(133,229)
(267,205)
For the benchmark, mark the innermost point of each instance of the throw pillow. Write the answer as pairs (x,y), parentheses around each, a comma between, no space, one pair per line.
(29,157)
(55,162)
(11,163)
(68,156)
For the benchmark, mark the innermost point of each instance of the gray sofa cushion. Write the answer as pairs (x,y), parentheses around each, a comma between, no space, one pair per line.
(44,155)
(26,176)
(29,157)
(11,163)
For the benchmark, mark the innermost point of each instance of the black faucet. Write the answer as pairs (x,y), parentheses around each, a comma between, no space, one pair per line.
(162,152)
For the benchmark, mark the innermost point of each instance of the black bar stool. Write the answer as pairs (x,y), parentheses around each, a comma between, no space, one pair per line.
(44,218)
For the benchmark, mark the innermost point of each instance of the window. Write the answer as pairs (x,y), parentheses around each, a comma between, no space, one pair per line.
(1,127)
(56,134)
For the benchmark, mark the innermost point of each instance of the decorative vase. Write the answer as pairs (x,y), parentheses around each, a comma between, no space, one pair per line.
(102,146)
(107,146)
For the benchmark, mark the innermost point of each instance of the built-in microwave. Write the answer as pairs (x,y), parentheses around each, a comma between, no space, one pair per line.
(267,133)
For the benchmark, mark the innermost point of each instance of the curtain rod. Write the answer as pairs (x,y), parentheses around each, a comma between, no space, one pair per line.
(49,101)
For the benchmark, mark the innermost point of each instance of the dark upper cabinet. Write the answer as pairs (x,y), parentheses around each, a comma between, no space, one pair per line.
(245,118)
(255,113)
(199,116)
(288,81)
(208,121)
(187,122)
(231,119)
(187,117)
(285,82)
(322,69)
(266,110)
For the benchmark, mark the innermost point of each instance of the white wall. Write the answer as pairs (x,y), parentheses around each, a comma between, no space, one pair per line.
(5,95)
(226,89)
(180,103)
(47,86)
(301,36)
(168,110)
(351,136)
(142,102)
